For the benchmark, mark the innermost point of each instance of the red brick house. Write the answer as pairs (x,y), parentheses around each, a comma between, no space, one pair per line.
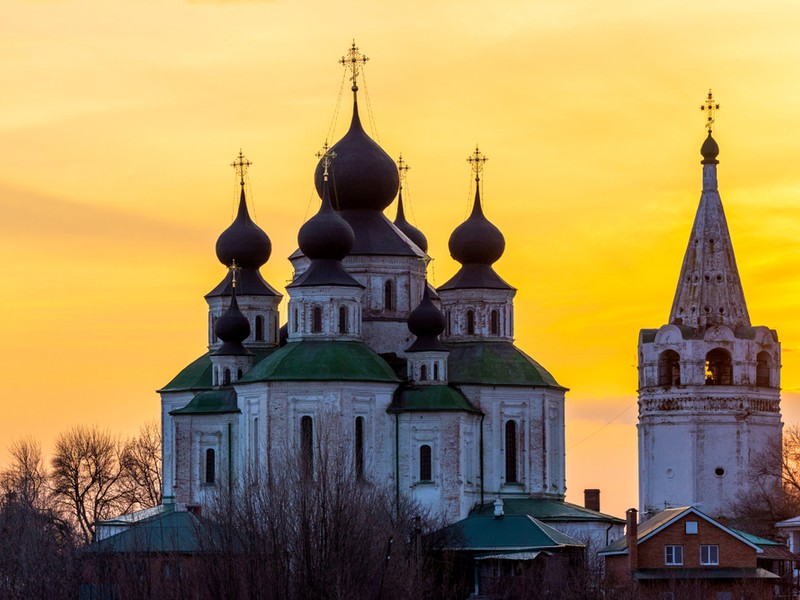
(682,552)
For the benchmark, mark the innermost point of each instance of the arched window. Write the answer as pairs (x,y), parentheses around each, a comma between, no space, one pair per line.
(316,320)
(211,466)
(216,376)
(259,328)
(447,322)
(214,330)
(719,369)
(763,369)
(470,322)
(342,319)
(226,377)
(669,368)
(307,446)
(511,452)
(359,447)
(296,323)
(436,371)
(425,466)
(495,323)
(388,295)
(423,372)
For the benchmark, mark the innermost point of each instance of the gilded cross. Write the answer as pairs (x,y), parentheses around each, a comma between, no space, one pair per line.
(710,108)
(354,60)
(234,270)
(240,166)
(402,168)
(477,160)
(327,160)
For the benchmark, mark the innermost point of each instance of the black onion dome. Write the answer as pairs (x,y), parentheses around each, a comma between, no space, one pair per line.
(366,177)
(326,235)
(476,240)
(427,323)
(244,241)
(710,151)
(232,325)
(411,232)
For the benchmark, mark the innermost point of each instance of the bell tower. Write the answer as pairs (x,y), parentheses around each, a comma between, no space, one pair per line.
(709,381)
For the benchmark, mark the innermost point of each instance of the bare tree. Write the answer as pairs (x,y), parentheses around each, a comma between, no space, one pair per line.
(26,478)
(141,466)
(88,476)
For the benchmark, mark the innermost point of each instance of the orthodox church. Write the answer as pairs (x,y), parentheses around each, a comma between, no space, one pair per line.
(422,386)
(709,381)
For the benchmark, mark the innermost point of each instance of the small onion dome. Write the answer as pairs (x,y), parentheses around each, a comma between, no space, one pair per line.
(476,240)
(326,235)
(232,326)
(427,323)
(244,241)
(411,232)
(710,151)
(366,177)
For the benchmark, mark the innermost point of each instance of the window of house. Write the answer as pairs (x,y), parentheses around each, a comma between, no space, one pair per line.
(495,323)
(425,464)
(762,369)
(511,452)
(691,527)
(709,554)
(669,368)
(359,447)
(673,554)
(470,322)
(342,319)
(719,368)
(388,296)
(259,328)
(307,446)
(211,466)
(316,320)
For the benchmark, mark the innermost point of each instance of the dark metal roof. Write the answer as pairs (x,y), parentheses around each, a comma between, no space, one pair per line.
(325,272)
(472,276)
(485,533)
(431,398)
(705,573)
(248,283)
(177,532)
(548,510)
(495,363)
(210,402)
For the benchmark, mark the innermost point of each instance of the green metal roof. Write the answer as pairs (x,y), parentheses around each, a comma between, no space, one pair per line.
(428,398)
(547,510)
(197,375)
(210,402)
(754,539)
(706,573)
(173,531)
(485,533)
(323,360)
(495,363)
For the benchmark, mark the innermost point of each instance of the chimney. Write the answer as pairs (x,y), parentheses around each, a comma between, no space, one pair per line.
(591,499)
(631,537)
(498,508)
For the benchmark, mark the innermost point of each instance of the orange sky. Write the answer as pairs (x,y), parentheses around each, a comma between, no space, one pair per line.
(118,121)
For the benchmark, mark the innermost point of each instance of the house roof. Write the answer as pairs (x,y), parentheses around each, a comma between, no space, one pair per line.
(793,522)
(510,533)
(548,510)
(172,531)
(662,520)
(727,573)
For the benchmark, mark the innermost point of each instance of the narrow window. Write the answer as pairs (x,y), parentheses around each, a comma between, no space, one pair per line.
(316,320)
(239,374)
(673,555)
(388,296)
(226,377)
(470,322)
(669,368)
(425,466)
(295,324)
(259,328)
(709,554)
(423,373)
(763,364)
(495,323)
(447,323)
(511,452)
(211,466)
(436,371)
(359,448)
(214,330)
(719,370)
(342,319)
(216,376)
(307,446)
(256,449)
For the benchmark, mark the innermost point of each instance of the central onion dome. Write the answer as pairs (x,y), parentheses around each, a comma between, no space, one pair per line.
(243,241)
(710,151)
(427,323)
(411,232)
(476,240)
(326,235)
(366,177)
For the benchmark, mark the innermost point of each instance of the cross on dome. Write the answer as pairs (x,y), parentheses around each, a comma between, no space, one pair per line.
(354,60)
(240,165)
(327,159)
(477,160)
(234,271)
(710,108)
(402,168)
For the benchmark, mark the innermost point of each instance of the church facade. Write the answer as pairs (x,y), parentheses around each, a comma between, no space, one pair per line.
(422,388)
(709,381)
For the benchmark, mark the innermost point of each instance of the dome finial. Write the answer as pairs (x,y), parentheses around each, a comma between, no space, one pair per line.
(354,61)
(402,169)
(477,160)
(710,108)
(326,157)
(234,268)
(240,165)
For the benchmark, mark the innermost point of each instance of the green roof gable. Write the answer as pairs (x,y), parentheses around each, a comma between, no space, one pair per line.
(429,398)
(210,402)
(484,533)
(495,363)
(173,531)
(322,360)
(197,375)
(547,510)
